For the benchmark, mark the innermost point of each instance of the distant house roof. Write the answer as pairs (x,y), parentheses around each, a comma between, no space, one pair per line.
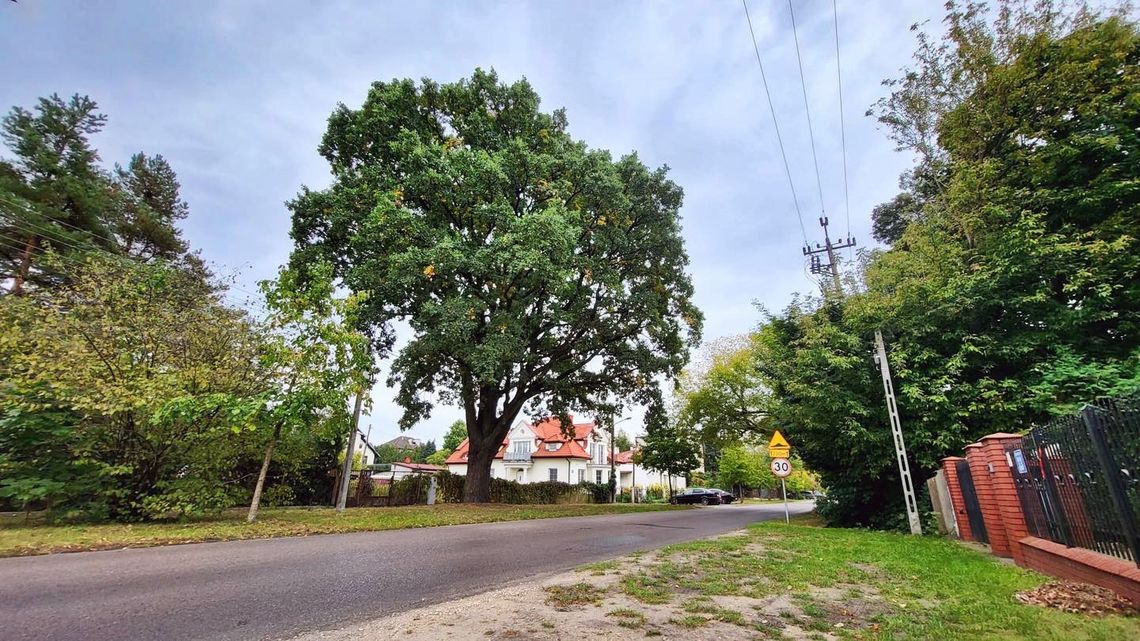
(404,443)
(624,457)
(547,431)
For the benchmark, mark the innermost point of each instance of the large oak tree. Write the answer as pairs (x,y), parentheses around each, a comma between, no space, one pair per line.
(535,273)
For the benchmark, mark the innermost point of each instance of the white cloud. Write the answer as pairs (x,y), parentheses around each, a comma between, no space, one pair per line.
(236,95)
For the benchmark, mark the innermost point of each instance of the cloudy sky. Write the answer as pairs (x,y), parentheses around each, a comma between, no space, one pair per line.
(235,95)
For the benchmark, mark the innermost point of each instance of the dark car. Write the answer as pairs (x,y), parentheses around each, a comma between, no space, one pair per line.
(725,497)
(697,495)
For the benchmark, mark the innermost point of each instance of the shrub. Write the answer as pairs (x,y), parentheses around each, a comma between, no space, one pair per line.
(410,490)
(278,495)
(599,492)
(655,492)
(450,490)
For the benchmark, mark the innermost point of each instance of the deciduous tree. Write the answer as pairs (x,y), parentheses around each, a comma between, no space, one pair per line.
(534,272)
(313,360)
(670,449)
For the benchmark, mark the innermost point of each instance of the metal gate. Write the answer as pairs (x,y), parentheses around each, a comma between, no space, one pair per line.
(970,498)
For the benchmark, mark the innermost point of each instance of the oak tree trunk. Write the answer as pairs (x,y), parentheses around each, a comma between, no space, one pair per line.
(477,486)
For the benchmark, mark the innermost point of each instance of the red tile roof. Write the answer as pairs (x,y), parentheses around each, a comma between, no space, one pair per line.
(548,430)
(624,457)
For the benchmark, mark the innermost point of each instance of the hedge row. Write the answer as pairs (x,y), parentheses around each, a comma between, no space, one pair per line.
(503,491)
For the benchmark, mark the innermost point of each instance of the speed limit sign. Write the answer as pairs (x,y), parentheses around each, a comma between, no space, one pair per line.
(781,467)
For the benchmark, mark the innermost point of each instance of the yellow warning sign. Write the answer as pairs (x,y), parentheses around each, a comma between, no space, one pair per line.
(778,447)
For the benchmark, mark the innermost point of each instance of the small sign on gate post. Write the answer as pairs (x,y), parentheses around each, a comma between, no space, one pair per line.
(1019,462)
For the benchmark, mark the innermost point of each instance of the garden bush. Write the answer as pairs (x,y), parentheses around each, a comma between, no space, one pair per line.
(450,490)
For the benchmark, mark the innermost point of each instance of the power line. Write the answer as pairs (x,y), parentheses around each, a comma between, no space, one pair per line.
(807,110)
(775,123)
(86,231)
(28,229)
(842,127)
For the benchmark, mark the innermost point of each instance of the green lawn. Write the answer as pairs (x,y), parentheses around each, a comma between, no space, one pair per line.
(802,581)
(19,540)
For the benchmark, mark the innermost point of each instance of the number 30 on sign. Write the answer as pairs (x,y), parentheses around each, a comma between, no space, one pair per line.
(781,467)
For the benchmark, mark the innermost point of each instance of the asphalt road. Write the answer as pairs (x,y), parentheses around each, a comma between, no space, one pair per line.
(277,588)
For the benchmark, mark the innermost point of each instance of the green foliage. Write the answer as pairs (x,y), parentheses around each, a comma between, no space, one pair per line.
(599,492)
(165,379)
(53,193)
(451,490)
(439,457)
(724,395)
(311,359)
(519,256)
(622,442)
(669,448)
(387,453)
(424,451)
(42,464)
(1011,291)
(744,467)
(455,436)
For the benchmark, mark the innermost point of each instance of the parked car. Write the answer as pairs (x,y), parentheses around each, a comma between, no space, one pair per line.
(725,497)
(695,495)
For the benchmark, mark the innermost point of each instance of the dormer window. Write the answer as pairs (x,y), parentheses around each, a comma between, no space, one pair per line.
(521,447)
(553,447)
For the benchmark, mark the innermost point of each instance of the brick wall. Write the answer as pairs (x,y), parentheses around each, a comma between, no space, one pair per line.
(1079,564)
(979,461)
(1006,527)
(1004,491)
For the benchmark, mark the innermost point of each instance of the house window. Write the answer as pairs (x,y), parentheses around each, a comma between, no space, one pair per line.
(553,447)
(597,476)
(553,474)
(581,476)
(599,453)
(522,447)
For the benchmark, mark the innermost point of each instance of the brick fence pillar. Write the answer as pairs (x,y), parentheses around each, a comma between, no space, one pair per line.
(991,512)
(1005,491)
(957,506)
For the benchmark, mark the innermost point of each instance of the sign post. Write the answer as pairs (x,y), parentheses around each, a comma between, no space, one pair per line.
(782,467)
(779,449)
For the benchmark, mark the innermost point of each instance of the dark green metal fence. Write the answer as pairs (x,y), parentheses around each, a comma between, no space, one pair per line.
(1076,478)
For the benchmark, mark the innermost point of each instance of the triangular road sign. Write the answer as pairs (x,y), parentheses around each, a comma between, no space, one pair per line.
(778,447)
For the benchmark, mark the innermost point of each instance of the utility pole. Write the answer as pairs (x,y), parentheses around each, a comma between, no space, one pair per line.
(828,247)
(346,471)
(613,463)
(896,431)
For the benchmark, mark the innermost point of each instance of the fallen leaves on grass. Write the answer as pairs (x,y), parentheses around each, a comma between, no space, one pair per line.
(1078,598)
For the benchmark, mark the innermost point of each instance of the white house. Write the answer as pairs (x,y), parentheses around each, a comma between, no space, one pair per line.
(631,474)
(541,452)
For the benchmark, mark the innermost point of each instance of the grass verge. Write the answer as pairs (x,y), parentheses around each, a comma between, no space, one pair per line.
(20,540)
(802,581)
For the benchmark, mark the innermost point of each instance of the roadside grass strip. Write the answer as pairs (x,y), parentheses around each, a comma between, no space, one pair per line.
(777,581)
(23,540)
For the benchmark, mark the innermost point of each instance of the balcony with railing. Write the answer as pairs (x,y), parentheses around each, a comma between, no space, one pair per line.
(517,458)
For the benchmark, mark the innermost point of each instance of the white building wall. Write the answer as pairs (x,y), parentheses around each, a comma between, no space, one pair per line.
(539,470)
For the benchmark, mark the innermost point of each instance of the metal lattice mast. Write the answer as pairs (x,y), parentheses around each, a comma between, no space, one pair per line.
(896,431)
